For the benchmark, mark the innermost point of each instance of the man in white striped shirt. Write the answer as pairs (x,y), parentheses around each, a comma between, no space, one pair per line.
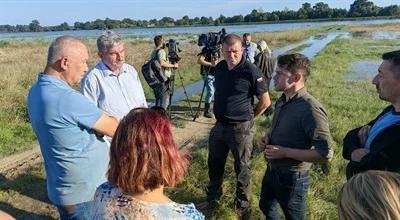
(113,85)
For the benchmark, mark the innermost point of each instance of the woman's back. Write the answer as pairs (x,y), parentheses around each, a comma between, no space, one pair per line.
(112,203)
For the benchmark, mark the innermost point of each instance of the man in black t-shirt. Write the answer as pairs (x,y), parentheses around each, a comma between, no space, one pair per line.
(208,59)
(236,81)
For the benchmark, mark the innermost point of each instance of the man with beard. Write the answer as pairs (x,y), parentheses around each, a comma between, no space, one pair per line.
(376,145)
(162,90)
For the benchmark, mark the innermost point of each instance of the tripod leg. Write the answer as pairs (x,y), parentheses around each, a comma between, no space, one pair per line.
(184,91)
(201,99)
(171,85)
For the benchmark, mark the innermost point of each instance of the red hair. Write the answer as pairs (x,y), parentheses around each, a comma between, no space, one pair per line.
(143,153)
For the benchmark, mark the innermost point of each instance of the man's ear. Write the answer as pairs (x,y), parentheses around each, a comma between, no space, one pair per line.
(64,63)
(296,77)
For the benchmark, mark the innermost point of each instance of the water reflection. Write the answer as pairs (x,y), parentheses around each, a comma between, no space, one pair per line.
(377,35)
(362,70)
(317,43)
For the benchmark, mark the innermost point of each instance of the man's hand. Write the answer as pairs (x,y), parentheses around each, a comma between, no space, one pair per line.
(363,134)
(175,65)
(358,154)
(264,141)
(274,152)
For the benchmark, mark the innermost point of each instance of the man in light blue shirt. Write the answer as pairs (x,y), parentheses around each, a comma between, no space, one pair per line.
(250,50)
(113,85)
(68,126)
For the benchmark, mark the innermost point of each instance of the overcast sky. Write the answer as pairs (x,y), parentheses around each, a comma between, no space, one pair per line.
(54,12)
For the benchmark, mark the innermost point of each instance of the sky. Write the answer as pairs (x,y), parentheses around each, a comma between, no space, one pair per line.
(55,12)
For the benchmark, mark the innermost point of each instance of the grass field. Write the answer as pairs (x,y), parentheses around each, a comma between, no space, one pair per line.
(349,104)
(21,61)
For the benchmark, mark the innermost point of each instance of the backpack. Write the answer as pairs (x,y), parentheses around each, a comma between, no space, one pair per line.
(152,71)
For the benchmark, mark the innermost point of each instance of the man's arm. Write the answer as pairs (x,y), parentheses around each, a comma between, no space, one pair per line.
(106,125)
(263,103)
(162,60)
(166,64)
(279,152)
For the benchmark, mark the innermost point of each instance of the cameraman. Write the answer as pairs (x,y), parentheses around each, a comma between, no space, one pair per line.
(162,90)
(208,59)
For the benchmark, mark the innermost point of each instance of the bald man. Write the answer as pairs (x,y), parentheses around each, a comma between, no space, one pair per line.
(69,129)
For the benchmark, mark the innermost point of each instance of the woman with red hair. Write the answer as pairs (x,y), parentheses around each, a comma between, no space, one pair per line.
(143,160)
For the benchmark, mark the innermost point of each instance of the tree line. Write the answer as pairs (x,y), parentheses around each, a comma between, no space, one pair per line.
(359,8)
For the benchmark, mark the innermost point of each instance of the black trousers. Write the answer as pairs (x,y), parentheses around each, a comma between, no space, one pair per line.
(238,139)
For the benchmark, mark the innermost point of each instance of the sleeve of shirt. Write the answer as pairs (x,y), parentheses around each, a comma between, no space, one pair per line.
(351,140)
(77,109)
(162,55)
(89,89)
(316,126)
(259,83)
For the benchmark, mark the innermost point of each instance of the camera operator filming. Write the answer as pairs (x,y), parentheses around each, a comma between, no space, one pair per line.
(161,89)
(208,58)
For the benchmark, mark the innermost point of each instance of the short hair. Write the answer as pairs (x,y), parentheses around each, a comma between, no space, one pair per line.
(370,195)
(143,153)
(158,40)
(294,62)
(231,39)
(60,46)
(107,40)
(246,35)
(394,58)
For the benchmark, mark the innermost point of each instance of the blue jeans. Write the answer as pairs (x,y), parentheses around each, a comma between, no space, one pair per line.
(161,94)
(209,83)
(289,189)
(82,211)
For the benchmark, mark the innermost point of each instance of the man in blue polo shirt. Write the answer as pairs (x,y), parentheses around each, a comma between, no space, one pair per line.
(68,127)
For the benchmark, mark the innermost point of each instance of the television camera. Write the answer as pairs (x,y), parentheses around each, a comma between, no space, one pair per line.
(173,51)
(212,41)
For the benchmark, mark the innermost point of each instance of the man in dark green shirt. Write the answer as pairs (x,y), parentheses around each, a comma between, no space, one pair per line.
(299,135)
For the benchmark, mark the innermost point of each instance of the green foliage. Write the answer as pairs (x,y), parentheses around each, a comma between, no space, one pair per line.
(321,10)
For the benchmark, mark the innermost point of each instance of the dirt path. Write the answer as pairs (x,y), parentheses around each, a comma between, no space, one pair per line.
(23,187)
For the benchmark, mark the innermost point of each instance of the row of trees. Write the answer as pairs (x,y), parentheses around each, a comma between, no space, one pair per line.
(359,8)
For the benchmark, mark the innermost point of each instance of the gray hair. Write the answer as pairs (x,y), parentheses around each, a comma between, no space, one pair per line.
(107,40)
(60,46)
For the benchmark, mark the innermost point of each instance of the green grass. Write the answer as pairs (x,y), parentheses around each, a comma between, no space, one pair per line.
(349,105)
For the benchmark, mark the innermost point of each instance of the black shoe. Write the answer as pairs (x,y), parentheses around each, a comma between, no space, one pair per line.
(207,111)
(208,114)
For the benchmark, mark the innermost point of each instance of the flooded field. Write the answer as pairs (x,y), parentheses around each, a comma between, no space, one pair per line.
(362,70)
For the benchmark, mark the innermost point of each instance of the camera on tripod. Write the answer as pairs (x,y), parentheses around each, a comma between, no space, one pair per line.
(173,51)
(212,41)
